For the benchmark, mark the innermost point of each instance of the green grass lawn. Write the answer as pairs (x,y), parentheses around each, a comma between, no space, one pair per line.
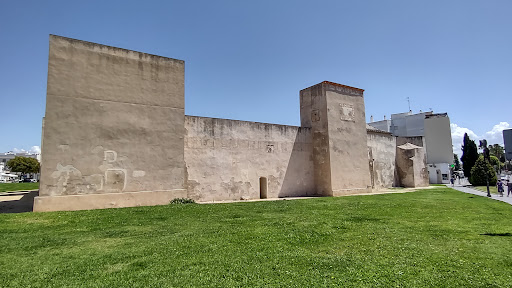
(430,238)
(492,189)
(18,186)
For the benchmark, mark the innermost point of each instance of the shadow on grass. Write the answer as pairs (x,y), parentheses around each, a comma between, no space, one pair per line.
(497,234)
(17,202)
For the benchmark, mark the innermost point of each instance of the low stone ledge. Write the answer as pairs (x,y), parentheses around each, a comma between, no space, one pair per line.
(104,201)
(344,192)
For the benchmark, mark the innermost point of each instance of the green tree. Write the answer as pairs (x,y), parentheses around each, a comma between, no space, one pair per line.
(23,164)
(456,162)
(478,173)
(497,150)
(469,155)
(496,163)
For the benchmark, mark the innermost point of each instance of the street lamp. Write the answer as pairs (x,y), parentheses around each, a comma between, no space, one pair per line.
(483,145)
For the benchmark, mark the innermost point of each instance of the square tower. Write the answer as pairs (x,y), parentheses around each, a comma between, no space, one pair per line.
(336,115)
(113,133)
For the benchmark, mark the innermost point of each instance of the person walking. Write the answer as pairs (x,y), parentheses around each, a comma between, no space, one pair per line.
(500,187)
(509,187)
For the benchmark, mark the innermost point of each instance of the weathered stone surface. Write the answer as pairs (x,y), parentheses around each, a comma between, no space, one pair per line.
(411,165)
(382,153)
(103,201)
(114,121)
(226,158)
(340,154)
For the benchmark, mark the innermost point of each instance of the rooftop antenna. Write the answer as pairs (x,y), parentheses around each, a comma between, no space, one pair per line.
(409,102)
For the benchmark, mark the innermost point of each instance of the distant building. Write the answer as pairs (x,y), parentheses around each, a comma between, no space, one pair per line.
(8,177)
(5,176)
(507,139)
(435,128)
(4,157)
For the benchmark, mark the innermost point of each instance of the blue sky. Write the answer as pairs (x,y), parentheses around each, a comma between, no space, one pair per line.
(247,60)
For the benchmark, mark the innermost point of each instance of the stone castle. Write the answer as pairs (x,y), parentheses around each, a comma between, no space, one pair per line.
(115,135)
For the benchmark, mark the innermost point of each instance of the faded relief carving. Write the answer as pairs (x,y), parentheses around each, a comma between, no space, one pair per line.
(70,181)
(347,112)
(115,178)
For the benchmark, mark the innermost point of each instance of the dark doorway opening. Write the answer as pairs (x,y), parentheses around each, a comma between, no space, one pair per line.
(263,188)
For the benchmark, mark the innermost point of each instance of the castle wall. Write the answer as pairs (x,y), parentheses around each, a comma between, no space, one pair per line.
(382,149)
(225,159)
(113,125)
(115,135)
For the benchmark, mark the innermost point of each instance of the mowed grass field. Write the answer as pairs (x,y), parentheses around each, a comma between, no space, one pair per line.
(492,189)
(18,186)
(431,238)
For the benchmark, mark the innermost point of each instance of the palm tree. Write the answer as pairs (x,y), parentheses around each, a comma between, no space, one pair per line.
(497,150)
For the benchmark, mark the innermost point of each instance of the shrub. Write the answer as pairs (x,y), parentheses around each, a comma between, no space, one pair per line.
(182,201)
(478,173)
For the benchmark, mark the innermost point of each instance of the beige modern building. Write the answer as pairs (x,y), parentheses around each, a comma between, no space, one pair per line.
(435,129)
(115,135)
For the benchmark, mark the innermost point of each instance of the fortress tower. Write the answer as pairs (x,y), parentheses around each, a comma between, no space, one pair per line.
(113,130)
(336,116)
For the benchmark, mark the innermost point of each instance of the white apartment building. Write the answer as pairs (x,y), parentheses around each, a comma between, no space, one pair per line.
(4,157)
(435,128)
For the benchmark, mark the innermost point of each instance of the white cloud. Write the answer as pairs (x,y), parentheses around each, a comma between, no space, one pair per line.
(35,149)
(458,137)
(495,136)
(16,150)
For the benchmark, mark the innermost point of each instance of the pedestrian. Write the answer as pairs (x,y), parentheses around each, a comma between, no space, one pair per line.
(452,180)
(500,187)
(509,187)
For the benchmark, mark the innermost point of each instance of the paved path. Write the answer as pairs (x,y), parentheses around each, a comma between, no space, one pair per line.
(17,202)
(469,190)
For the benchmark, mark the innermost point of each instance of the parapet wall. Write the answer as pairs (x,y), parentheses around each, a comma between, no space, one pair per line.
(229,159)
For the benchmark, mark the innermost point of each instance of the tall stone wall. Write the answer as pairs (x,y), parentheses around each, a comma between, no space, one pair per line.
(227,159)
(382,153)
(113,131)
